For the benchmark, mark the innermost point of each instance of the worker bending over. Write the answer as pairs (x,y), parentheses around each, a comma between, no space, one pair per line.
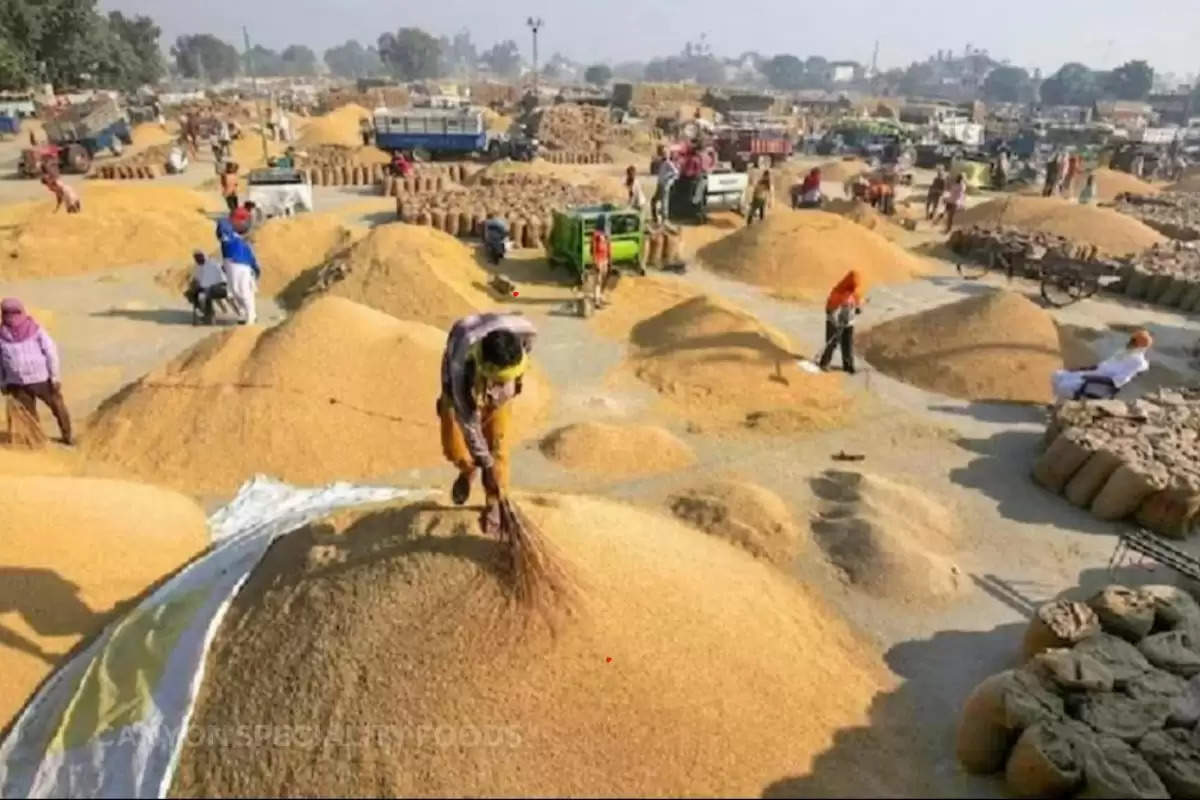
(843,305)
(1106,378)
(64,194)
(483,366)
(241,267)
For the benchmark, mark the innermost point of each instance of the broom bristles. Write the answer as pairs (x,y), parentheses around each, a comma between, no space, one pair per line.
(24,430)
(538,577)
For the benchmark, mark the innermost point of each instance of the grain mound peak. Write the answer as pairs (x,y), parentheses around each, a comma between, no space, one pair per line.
(411,272)
(719,365)
(801,255)
(617,451)
(1111,231)
(887,539)
(84,547)
(670,624)
(338,127)
(744,514)
(336,392)
(997,346)
(1112,182)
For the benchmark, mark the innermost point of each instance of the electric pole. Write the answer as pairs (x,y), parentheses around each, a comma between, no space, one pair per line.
(254,88)
(535,25)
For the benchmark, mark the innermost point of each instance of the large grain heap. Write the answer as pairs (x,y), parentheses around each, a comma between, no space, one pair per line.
(886,539)
(1112,183)
(567,126)
(1105,705)
(616,451)
(716,364)
(802,254)
(121,225)
(393,620)
(337,392)
(1139,458)
(996,346)
(409,272)
(73,550)
(1110,231)
(338,127)
(1174,214)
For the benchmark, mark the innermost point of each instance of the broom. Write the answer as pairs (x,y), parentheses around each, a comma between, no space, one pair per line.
(537,577)
(23,428)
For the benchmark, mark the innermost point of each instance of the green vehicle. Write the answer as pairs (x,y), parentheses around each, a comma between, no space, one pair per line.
(570,243)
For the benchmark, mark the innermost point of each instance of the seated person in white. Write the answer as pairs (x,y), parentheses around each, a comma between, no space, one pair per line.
(1103,380)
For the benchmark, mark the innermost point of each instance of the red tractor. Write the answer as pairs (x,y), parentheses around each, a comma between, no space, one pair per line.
(50,157)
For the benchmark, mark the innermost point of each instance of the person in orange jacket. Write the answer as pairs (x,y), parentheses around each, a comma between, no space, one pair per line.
(844,304)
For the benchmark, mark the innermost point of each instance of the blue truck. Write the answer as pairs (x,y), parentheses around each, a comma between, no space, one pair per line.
(430,133)
(75,134)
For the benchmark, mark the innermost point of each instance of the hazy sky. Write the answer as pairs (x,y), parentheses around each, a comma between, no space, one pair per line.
(1033,33)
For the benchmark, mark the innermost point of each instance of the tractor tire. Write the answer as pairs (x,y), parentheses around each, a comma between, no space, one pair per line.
(78,159)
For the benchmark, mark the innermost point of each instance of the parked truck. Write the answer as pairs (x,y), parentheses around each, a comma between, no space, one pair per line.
(430,133)
(754,145)
(76,133)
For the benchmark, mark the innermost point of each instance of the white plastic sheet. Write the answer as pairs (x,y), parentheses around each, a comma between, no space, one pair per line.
(112,720)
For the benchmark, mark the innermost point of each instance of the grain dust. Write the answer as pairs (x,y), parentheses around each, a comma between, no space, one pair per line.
(689,668)
(997,346)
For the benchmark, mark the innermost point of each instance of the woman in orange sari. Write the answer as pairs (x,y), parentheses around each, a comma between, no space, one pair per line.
(843,305)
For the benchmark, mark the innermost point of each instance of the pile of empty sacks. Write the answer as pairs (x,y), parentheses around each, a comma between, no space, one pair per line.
(1166,275)
(1138,459)
(1173,214)
(1105,704)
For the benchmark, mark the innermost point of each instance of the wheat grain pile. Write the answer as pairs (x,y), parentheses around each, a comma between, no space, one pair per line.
(150,134)
(73,549)
(1112,182)
(744,514)
(413,272)
(688,668)
(336,392)
(717,365)
(863,214)
(1110,231)
(616,451)
(340,127)
(801,255)
(120,225)
(997,346)
(887,539)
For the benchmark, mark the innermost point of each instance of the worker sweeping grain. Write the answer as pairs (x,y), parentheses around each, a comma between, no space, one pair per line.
(241,268)
(29,365)
(933,199)
(64,194)
(483,365)
(760,197)
(843,305)
(1106,378)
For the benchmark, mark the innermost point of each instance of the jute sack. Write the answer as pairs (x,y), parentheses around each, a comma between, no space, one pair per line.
(1173,606)
(1175,651)
(1061,460)
(994,715)
(1123,612)
(1071,671)
(1091,477)
(1137,285)
(1123,660)
(1174,759)
(1122,493)
(1169,512)
(1119,715)
(1061,623)
(1181,695)
(1047,760)
(1112,769)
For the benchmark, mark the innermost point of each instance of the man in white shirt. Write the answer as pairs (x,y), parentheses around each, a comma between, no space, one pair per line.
(1106,378)
(668,173)
(207,285)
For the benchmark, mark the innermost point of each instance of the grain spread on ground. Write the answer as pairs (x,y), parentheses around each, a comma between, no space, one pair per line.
(120,225)
(997,346)
(149,134)
(802,254)
(716,365)
(885,538)
(1111,231)
(687,667)
(337,392)
(73,550)
(749,516)
(1112,182)
(616,451)
(340,127)
(410,272)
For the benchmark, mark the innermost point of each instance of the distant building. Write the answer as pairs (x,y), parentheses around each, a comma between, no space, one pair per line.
(1125,113)
(1173,108)
(843,71)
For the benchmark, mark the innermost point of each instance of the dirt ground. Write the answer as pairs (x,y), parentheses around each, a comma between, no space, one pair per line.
(1022,545)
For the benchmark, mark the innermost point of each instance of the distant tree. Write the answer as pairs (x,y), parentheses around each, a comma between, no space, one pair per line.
(411,54)
(784,72)
(263,61)
(204,55)
(707,70)
(918,78)
(630,71)
(1007,85)
(1130,81)
(459,54)
(299,60)
(504,58)
(352,60)
(1073,85)
(598,74)
(141,35)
